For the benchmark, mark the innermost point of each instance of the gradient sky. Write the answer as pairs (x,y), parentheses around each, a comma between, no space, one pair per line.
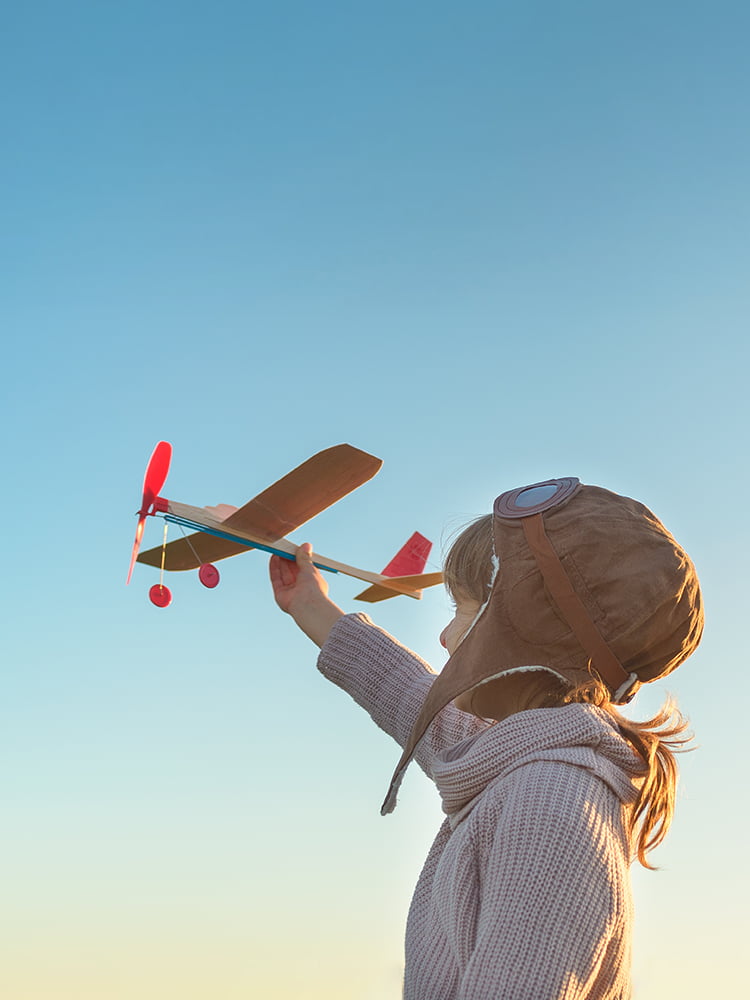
(488,242)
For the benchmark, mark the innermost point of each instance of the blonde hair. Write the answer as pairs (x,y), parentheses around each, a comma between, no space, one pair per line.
(467,569)
(468,574)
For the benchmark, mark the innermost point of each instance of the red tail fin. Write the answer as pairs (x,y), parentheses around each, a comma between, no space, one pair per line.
(411,558)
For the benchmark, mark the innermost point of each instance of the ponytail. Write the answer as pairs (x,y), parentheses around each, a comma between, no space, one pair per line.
(657,741)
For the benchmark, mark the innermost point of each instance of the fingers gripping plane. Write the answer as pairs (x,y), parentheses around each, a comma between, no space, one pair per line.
(264,521)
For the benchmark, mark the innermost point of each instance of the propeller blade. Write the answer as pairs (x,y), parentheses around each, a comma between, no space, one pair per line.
(156,473)
(156,476)
(136,545)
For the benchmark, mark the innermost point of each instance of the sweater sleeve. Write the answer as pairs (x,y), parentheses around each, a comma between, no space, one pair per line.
(391,683)
(554,915)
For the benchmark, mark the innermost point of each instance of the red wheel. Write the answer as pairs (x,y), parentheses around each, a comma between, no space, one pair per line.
(208,575)
(160,595)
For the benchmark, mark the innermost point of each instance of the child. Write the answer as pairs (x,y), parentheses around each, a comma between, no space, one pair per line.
(567,597)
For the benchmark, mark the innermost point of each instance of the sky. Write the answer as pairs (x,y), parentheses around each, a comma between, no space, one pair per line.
(490,243)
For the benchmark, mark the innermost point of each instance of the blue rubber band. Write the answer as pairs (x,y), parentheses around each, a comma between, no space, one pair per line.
(193,525)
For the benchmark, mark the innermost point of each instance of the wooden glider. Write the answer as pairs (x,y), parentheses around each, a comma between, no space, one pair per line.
(263,522)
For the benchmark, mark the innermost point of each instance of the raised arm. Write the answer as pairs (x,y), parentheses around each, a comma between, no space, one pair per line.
(391,683)
(388,680)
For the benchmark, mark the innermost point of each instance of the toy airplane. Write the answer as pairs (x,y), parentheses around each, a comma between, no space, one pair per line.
(264,521)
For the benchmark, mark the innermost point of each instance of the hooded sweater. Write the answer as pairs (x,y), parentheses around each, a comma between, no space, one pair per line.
(525,893)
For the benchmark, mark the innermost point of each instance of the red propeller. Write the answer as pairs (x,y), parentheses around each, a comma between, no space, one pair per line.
(156,475)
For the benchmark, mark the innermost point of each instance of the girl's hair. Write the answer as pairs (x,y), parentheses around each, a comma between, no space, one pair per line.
(467,573)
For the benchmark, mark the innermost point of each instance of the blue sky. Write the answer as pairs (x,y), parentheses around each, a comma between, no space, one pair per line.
(489,243)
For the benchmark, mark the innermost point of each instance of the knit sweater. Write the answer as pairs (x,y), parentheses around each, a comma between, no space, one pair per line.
(525,893)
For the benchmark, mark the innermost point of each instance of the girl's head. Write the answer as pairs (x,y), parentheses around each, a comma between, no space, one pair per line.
(552,596)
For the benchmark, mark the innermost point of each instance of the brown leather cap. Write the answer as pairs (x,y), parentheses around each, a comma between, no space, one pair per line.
(593,584)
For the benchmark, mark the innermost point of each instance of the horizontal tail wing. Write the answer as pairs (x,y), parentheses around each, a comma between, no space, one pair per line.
(411,585)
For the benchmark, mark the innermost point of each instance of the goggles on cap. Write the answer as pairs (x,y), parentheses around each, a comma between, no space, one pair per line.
(527,504)
(528,500)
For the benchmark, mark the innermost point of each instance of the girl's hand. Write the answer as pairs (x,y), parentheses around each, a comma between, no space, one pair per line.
(296,583)
(300,590)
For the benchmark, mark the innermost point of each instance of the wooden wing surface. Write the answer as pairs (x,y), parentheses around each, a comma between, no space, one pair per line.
(193,550)
(286,505)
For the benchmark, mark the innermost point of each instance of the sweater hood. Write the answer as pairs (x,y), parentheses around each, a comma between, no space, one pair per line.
(580,735)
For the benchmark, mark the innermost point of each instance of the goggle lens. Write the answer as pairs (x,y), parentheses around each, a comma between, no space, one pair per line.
(528,500)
